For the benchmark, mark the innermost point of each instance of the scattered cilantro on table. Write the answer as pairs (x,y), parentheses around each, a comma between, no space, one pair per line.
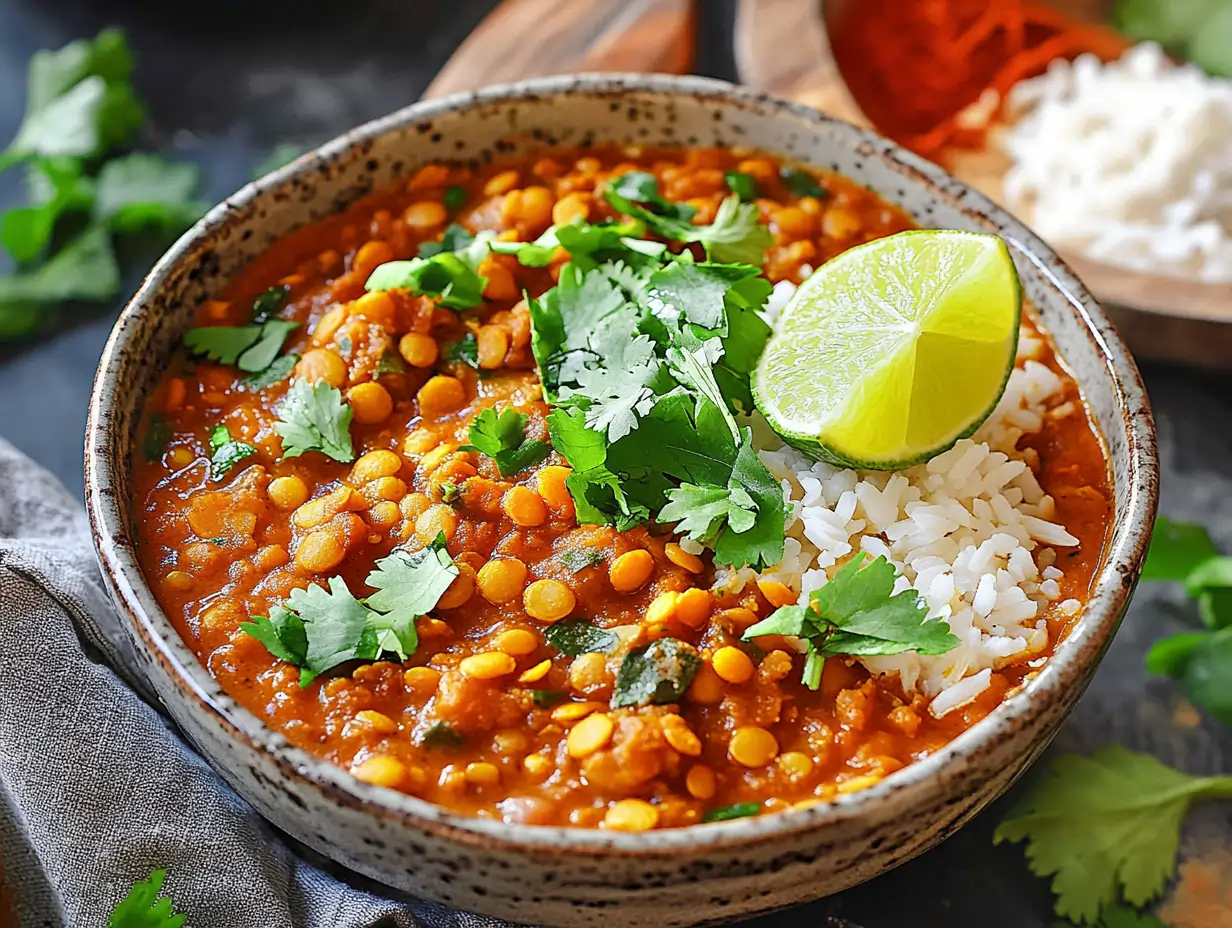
(80,106)
(502,437)
(142,908)
(313,417)
(318,629)
(1201,659)
(1105,827)
(226,452)
(858,613)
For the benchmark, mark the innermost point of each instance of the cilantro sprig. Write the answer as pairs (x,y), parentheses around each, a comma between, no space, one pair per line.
(502,437)
(142,907)
(313,417)
(448,270)
(1200,659)
(858,613)
(80,107)
(737,234)
(1104,827)
(317,629)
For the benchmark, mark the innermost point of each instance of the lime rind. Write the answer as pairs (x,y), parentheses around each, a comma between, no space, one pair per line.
(837,378)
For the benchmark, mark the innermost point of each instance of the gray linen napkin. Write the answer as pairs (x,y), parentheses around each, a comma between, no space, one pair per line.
(97,788)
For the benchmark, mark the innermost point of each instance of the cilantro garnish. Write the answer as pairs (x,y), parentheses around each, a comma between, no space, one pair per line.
(316,630)
(446,270)
(450,492)
(142,908)
(736,235)
(701,513)
(252,348)
(313,417)
(742,185)
(226,452)
(464,350)
(441,735)
(738,810)
(577,636)
(454,238)
(858,613)
(279,370)
(1106,826)
(503,438)
(578,559)
(801,183)
(657,673)
(390,362)
(157,435)
(267,303)
(454,198)
(545,699)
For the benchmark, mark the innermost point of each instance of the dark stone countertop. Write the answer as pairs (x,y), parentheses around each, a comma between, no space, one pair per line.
(227,81)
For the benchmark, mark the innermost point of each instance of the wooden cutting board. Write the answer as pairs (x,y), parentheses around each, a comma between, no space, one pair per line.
(782,48)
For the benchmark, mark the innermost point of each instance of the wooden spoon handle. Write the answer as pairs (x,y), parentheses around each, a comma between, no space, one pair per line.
(530,38)
(782,48)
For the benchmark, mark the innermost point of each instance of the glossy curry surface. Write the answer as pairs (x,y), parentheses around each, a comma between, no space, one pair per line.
(524,734)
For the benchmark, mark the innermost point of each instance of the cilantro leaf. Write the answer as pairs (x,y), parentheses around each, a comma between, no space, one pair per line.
(801,183)
(578,559)
(738,810)
(145,189)
(1120,916)
(858,613)
(142,908)
(221,343)
(408,586)
(1205,672)
(701,513)
(1176,549)
(545,699)
(454,198)
(621,391)
(262,353)
(655,674)
(313,417)
(742,185)
(1168,656)
(85,269)
(56,186)
(282,633)
(226,452)
(737,233)
(441,735)
(278,370)
(390,362)
(79,101)
(577,636)
(447,277)
(502,437)
(337,628)
(464,350)
(454,238)
(1105,826)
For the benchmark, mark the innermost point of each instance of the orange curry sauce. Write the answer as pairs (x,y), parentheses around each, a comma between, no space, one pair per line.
(216,553)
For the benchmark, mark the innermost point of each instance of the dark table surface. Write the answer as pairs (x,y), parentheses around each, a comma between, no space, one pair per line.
(227,81)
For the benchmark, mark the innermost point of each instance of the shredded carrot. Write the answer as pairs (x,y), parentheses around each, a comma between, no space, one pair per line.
(914,66)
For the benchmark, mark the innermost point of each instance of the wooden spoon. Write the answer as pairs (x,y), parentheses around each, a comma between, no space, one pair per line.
(532,38)
(782,47)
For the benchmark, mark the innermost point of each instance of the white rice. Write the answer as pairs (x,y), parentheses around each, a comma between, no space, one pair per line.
(1128,162)
(972,531)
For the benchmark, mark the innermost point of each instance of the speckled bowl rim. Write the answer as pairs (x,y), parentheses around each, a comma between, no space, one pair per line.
(1123,554)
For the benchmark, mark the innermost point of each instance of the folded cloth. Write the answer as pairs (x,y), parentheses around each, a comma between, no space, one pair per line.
(97,788)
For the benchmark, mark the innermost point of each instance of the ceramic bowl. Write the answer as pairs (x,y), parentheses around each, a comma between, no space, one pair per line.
(573,877)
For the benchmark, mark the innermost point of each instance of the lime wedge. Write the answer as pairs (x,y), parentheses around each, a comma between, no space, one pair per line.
(892,351)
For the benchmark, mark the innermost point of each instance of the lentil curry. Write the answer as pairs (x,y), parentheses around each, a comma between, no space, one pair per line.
(504,704)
